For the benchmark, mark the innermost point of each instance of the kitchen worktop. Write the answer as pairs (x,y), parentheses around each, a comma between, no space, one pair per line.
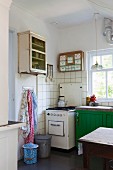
(101,108)
(11,125)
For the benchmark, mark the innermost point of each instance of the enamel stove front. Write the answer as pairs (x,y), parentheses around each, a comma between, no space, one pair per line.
(61,125)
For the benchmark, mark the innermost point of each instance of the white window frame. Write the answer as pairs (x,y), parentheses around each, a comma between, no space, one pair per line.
(90,54)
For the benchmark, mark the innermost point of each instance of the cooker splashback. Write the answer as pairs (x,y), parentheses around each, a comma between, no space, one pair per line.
(72,93)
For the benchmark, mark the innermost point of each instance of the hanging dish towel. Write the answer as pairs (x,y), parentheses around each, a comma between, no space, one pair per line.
(30,137)
(34,98)
(24,116)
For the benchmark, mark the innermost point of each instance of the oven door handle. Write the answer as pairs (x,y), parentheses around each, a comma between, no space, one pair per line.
(55,125)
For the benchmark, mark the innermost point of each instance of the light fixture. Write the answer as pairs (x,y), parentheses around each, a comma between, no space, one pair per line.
(96,66)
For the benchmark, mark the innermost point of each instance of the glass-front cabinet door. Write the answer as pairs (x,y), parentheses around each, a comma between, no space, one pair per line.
(38,54)
(31,53)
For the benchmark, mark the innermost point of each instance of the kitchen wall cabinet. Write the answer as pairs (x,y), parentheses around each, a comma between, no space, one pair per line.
(31,53)
(89,120)
(71,61)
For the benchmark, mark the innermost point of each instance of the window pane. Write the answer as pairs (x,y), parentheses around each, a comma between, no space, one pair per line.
(110,84)
(96,58)
(107,61)
(99,84)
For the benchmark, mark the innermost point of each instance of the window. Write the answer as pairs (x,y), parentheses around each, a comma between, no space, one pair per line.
(101,81)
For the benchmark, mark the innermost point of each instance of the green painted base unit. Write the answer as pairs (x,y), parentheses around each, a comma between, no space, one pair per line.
(89,120)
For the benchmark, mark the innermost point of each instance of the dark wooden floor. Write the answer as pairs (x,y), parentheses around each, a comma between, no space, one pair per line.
(61,161)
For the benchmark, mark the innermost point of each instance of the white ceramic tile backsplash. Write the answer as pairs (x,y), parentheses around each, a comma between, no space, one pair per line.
(78,79)
(48,92)
(73,80)
(84,74)
(67,75)
(84,80)
(78,74)
(72,75)
(66,80)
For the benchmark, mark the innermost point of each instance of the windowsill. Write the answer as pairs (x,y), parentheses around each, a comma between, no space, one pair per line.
(104,100)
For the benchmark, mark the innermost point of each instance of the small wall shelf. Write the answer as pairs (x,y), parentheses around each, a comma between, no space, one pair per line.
(71,61)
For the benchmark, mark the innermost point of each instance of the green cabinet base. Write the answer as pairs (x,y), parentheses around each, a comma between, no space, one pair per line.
(89,120)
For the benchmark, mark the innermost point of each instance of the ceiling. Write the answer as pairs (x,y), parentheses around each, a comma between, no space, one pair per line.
(66,13)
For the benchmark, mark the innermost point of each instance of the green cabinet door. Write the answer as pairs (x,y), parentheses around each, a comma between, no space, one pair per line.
(109,119)
(87,121)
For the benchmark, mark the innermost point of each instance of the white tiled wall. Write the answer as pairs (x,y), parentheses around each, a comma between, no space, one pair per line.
(48,92)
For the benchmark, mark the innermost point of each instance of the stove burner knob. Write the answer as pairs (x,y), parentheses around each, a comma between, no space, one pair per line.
(48,114)
(54,114)
(60,114)
(57,114)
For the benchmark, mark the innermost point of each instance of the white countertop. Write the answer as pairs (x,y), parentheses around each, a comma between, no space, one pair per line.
(101,108)
(101,135)
(11,125)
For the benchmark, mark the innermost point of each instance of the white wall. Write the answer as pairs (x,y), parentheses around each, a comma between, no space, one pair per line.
(21,20)
(82,37)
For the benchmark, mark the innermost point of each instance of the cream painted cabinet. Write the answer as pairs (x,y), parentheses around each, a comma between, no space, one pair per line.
(31,53)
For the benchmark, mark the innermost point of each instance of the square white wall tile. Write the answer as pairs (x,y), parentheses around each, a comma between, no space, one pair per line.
(60,76)
(66,80)
(51,87)
(48,102)
(40,97)
(84,81)
(67,75)
(56,74)
(40,79)
(55,101)
(51,95)
(73,75)
(84,102)
(73,80)
(48,95)
(40,87)
(44,102)
(44,87)
(40,109)
(59,81)
(84,74)
(44,95)
(79,80)
(40,103)
(47,87)
(84,88)
(78,74)
(52,102)
(54,80)
(84,94)
(55,95)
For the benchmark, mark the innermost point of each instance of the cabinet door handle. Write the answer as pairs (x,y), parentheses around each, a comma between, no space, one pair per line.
(77,117)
